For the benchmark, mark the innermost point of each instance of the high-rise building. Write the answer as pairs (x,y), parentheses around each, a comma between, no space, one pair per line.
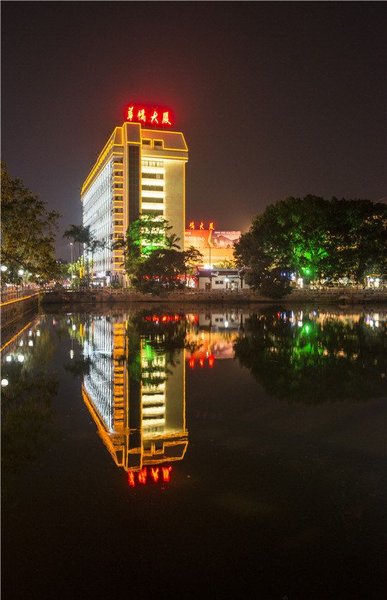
(140,171)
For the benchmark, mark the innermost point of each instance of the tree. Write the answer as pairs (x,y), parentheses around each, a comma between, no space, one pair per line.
(315,239)
(79,235)
(27,230)
(161,271)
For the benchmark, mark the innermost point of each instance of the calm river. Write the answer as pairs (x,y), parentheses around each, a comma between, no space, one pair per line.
(178,452)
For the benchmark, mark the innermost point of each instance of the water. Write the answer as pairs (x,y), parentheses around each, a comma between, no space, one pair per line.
(196,452)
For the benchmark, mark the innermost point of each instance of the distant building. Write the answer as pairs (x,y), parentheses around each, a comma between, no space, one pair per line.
(140,171)
(221,279)
(217,247)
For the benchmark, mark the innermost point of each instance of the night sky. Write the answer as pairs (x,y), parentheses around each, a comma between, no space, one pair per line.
(275,99)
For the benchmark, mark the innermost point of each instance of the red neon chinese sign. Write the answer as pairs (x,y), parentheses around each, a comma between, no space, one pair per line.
(151,474)
(151,116)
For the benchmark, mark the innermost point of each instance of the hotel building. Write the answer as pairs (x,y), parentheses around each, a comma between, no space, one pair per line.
(140,171)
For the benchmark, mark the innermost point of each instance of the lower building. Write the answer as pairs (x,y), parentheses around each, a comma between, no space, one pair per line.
(217,247)
(221,279)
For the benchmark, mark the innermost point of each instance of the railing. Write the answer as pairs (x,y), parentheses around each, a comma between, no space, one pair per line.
(17,293)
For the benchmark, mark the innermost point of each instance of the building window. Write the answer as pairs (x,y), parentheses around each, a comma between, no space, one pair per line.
(155,188)
(146,142)
(154,213)
(158,143)
(218,281)
(153,176)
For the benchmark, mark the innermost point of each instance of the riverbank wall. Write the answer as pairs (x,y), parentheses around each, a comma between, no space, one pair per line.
(341,296)
(17,312)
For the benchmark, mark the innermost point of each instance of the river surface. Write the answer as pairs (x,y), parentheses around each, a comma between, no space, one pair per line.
(176,452)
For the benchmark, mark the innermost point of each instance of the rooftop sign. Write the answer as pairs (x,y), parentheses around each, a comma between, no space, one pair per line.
(149,115)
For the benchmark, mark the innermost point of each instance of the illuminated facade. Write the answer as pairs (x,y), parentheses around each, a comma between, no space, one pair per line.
(217,247)
(136,400)
(141,170)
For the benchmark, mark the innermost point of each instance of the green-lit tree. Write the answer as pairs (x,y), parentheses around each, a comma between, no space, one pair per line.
(27,231)
(152,256)
(323,358)
(314,238)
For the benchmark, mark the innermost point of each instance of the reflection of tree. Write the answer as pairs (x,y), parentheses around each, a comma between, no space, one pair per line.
(314,360)
(156,336)
(26,414)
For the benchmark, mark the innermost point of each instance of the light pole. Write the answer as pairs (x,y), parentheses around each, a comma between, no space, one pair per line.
(71,251)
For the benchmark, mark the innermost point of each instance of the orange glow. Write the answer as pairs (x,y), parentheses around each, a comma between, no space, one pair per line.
(192,225)
(211,360)
(191,362)
(155,474)
(201,362)
(166,473)
(142,476)
(201,226)
(211,225)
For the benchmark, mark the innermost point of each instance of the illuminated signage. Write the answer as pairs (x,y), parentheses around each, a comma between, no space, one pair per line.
(200,226)
(149,475)
(151,116)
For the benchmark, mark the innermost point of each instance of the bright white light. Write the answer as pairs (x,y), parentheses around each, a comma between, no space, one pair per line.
(20,358)
(20,272)
(4,382)
(4,268)
(8,358)
(21,343)
(74,327)
(299,323)
(30,343)
(226,323)
(71,353)
(38,332)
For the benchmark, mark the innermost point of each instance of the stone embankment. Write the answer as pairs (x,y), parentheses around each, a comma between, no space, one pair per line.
(109,296)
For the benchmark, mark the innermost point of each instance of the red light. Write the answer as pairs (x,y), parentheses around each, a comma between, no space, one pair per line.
(191,362)
(155,474)
(201,362)
(166,473)
(153,116)
(142,476)
(211,360)
(131,481)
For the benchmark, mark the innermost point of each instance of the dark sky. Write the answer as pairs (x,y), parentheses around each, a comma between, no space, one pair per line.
(275,99)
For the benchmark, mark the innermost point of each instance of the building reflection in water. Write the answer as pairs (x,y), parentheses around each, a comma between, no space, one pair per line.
(136,396)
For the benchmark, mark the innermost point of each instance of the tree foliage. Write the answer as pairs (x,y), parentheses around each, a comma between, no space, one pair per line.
(325,358)
(27,230)
(315,238)
(152,256)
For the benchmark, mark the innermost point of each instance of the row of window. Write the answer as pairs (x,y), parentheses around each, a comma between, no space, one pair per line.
(156,143)
(155,188)
(153,175)
(152,163)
